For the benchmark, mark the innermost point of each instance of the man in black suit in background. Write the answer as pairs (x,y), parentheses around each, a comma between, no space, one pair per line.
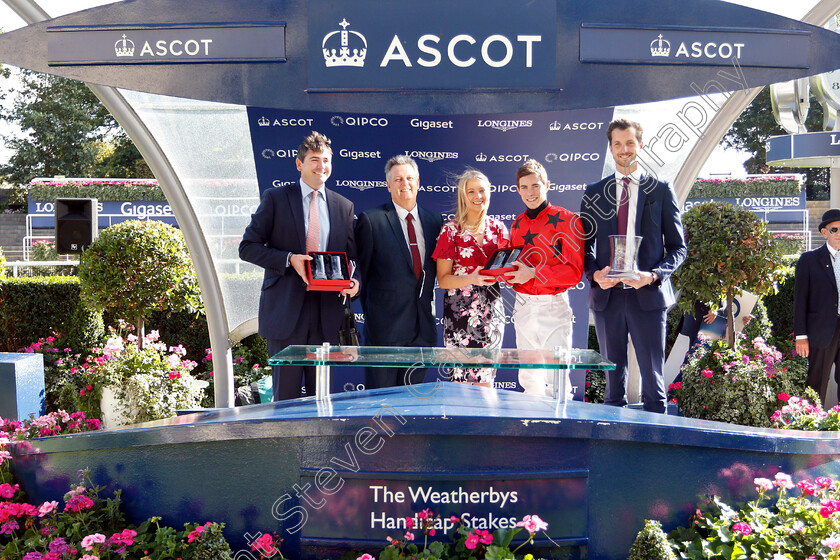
(816,307)
(290,222)
(396,241)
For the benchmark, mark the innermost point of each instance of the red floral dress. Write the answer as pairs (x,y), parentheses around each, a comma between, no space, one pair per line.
(473,316)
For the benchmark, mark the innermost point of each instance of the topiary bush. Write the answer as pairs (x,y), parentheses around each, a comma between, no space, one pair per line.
(652,544)
(138,267)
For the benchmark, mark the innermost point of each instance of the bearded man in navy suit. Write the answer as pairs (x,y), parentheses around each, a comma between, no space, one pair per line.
(634,307)
(396,241)
(290,222)
(816,307)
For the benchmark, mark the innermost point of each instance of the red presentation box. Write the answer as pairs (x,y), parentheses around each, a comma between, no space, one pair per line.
(501,262)
(326,273)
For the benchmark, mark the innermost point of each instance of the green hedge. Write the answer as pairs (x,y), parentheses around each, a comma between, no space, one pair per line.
(100,189)
(733,188)
(31,308)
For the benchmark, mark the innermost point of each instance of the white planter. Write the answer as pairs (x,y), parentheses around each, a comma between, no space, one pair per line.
(114,411)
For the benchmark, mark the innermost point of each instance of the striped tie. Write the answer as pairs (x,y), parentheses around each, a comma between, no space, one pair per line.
(314,230)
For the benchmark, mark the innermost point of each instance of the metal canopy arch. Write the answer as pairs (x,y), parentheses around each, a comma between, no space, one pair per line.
(123,104)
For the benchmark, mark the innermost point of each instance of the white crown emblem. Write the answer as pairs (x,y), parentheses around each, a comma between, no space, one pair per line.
(660,47)
(554,126)
(345,54)
(124,47)
(481,157)
(263,121)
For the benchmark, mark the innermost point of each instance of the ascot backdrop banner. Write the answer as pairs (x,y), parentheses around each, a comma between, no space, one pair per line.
(570,144)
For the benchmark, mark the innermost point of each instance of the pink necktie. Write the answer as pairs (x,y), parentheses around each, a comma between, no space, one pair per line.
(623,206)
(415,250)
(313,232)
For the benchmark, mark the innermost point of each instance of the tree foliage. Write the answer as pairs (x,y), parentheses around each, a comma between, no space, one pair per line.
(756,125)
(64,130)
(137,267)
(729,251)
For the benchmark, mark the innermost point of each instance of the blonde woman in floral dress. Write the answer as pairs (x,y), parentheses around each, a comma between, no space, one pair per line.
(473,315)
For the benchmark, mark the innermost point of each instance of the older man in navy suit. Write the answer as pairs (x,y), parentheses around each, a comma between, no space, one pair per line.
(290,222)
(816,307)
(630,203)
(396,241)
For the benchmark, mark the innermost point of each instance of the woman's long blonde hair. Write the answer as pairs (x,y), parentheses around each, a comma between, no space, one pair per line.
(463,204)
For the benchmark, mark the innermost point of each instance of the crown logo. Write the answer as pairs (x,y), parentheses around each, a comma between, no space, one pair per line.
(124,47)
(263,121)
(554,126)
(660,47)
(344,53)
(481,157)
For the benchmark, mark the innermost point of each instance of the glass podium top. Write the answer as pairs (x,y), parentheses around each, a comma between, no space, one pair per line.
(388,356)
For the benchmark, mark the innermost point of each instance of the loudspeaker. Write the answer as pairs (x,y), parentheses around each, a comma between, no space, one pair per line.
(76,224)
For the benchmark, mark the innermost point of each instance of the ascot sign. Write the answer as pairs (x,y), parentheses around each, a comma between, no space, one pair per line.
(350,57)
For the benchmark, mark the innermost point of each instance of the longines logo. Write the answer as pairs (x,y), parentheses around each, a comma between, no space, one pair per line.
(337,120)
(360,185)
(504,126)
(661,48)
(507,158)
(263,121)
(432,156)
(340,51)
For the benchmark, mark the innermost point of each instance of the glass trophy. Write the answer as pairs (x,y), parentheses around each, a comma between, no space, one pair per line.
(320,272)
(335,273)
(624,254)
(514,254)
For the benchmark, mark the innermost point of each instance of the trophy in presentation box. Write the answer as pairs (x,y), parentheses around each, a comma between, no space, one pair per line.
(624,254)
(328,271)
(501,262)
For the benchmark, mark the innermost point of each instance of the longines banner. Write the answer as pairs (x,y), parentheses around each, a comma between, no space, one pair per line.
(571,145)
(442,56)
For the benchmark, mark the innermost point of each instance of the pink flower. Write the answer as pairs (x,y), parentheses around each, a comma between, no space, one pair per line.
(174,375)
(472,541)
(409,536)
(533,524)
(409,522)
(485,537)
(783,397)
(431,532)
(78,503)
(454,519)
(93,423)
(741,527)
(824,482)
(425,514)
(706,373)
(264,545)
(762,484)
(365,556)
(89,557)
(832,542)
(90,540)
(46,508)
(783,481)
(807,488)
(7,490)
(197,533)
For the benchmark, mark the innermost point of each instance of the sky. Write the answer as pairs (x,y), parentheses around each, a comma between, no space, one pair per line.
(721,162)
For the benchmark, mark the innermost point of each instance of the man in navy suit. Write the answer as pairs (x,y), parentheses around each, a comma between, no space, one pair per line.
(290,222)
(396,241)
(630,203)
(816,308)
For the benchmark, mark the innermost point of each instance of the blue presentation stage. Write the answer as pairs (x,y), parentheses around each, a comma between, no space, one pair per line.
(341,474)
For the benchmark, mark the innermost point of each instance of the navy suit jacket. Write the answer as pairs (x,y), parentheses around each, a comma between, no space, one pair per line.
(398,307)
(276,230)
(658,223)
(815,298)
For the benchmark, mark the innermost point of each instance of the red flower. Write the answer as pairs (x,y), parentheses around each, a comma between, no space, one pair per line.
(783,397)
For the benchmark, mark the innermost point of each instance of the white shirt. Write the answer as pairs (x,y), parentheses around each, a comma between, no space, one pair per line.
(418,229)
